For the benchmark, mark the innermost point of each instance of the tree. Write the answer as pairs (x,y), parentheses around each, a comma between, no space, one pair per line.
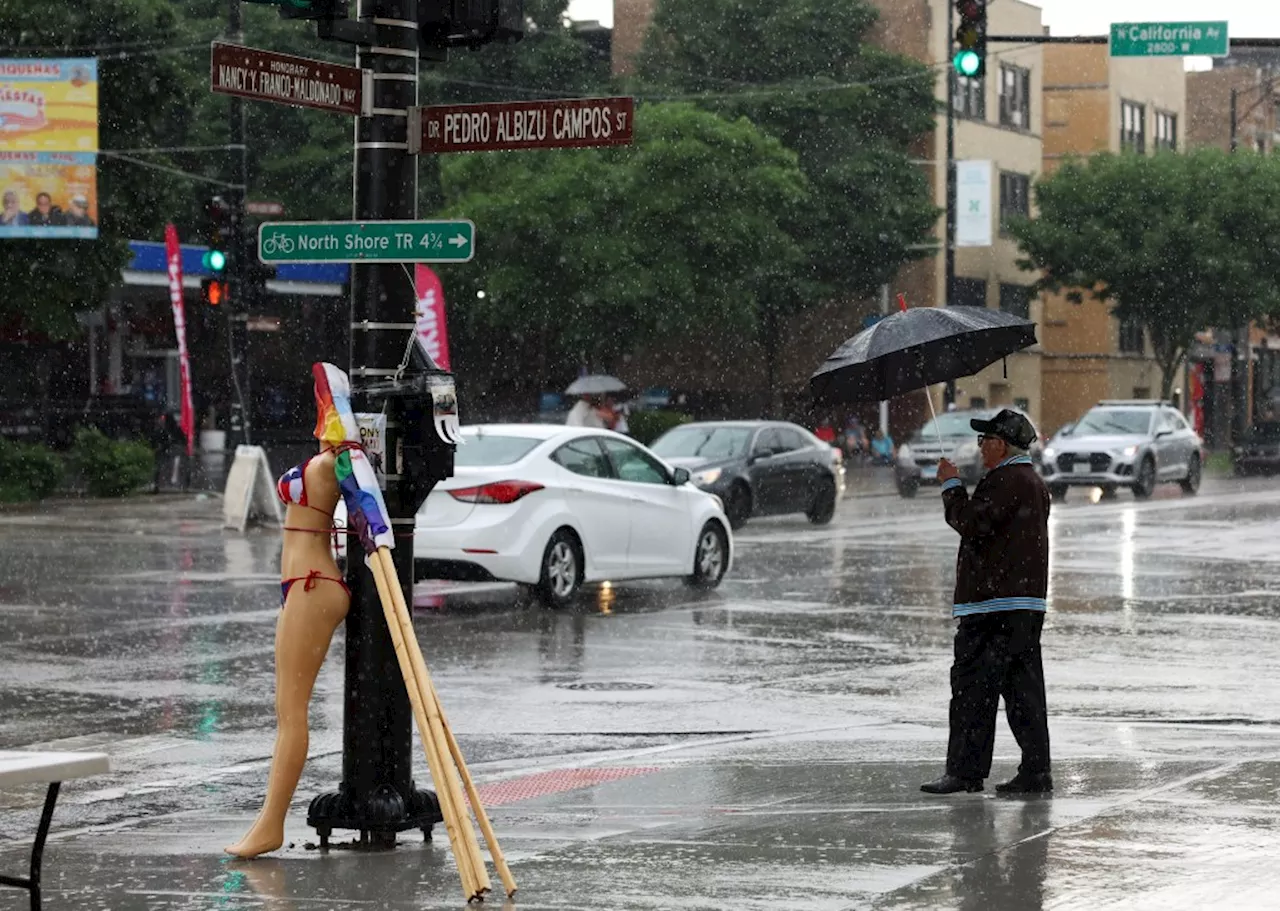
(590,252)
(1178,243)
(47,282)
(804,71)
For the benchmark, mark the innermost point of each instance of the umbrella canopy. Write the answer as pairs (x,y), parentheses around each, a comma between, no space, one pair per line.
(916,348)
(595,384)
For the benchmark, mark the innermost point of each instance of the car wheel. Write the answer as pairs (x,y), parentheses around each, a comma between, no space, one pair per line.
(1191,483)
(908,489)
(1058,492)
(737,505)
(1145,486)
(710,557)
(561,569)
(823,508)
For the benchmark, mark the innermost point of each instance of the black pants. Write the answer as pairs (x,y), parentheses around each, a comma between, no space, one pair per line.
(997,655)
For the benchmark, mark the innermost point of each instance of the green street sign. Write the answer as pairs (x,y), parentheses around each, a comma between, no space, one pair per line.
(1169,39)
(367,241)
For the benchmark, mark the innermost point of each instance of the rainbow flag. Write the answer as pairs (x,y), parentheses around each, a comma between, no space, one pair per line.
(335,425)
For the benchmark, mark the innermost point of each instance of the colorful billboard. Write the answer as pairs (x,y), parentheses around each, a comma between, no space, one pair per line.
(48,195)
(49,105)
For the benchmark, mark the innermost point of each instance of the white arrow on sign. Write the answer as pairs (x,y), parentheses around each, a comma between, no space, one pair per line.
(459,240)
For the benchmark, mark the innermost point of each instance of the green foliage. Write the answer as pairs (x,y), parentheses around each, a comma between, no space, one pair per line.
(803,71)
(111,468)
(613,248)
(1179,243)
(647,426)
(146,93)
(28,471)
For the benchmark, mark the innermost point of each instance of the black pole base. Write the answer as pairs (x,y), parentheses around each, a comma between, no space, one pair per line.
(377,818)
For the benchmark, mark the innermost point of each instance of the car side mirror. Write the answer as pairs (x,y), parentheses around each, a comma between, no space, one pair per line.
(680,476)
(758,455)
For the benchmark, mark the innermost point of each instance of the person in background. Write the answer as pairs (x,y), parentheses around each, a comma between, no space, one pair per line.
(882,448)
(825,432)
(855,438)
(78,217)
(45,214)
(12,214)
(585,413)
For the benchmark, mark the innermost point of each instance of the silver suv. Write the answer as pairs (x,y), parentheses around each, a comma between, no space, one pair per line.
(1135,444)
(949,437)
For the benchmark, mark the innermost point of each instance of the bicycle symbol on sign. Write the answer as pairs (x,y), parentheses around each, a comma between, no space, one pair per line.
(277,243)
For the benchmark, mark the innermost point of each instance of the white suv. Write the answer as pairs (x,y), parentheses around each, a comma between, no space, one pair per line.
(1134,443)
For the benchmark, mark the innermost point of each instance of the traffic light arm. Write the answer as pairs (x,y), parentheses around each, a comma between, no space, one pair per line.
(348,32)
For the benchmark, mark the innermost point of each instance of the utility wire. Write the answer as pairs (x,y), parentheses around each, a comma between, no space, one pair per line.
(200,178)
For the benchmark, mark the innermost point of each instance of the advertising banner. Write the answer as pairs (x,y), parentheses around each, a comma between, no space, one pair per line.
(48,195)
(49,105)
(173,255)
(433,334)
(973,204)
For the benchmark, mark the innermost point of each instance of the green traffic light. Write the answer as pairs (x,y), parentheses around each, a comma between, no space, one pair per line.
(967,63)
(215,260)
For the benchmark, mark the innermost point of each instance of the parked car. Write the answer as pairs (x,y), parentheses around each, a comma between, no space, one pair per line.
(759,468)
(1125,443)
(552,507)
(948,436)
(1258,452)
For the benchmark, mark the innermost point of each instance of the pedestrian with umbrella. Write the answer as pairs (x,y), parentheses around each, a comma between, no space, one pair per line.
(1002,567)
(594,408)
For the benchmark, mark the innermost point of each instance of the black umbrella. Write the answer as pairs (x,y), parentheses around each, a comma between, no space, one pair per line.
(916,348)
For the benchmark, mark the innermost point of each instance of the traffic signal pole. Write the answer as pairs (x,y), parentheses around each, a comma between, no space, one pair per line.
(377,795)
(238,284)
(949,243)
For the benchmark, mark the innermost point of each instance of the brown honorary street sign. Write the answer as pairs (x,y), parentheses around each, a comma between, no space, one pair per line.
(285,79)
(575,123)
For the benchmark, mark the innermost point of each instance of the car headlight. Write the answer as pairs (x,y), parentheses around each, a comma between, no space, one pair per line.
(904,455)
(1048,453)
(710,476)
(966,452)
(1130,451)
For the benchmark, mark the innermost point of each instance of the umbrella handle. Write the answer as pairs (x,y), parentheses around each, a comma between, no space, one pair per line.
(934,414)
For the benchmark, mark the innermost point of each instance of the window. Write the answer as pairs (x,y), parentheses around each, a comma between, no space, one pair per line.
(969,97)
(1133,127)
(633,464)
(584,457)
(1131,337)
(1166,131)
(1015,97)
(1015,299)
(1015,196)
(767,442)
(791,441)
(970,292)
(706,442)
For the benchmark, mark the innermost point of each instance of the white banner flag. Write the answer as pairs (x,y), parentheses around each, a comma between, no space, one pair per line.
(973,203)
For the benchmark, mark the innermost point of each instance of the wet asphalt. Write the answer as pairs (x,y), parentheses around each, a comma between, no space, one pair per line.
(759,747)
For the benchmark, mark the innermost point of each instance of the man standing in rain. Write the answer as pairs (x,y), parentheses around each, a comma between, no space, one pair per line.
(1002,577)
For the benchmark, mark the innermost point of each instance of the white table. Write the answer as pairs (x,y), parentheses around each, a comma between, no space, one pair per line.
(33,767)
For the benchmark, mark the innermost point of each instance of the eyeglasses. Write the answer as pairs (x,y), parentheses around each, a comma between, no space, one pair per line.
(983,437)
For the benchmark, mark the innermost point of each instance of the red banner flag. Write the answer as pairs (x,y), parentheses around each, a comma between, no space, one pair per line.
(173,253)
(433,333)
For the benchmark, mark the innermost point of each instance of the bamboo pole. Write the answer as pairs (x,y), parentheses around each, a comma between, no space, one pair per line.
(435,716)
(450,810)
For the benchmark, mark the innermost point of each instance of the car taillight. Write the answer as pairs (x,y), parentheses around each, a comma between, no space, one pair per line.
(499,492)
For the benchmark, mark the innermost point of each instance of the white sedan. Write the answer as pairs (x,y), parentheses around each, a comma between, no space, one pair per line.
(552,507)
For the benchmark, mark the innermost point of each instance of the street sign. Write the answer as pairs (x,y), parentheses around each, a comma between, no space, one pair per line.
(439,241)
(1169,39)
(256,207)
(575,123)
(285,79)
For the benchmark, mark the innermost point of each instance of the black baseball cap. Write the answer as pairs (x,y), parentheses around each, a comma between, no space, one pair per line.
(1010,426)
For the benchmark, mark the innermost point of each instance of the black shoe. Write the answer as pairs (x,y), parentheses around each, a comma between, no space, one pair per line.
(1040,783)
(950,784)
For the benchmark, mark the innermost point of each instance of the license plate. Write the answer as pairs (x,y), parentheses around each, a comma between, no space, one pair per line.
(929,471)
(1081,468)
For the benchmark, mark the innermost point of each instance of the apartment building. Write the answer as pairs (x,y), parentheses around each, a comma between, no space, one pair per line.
(1096,103)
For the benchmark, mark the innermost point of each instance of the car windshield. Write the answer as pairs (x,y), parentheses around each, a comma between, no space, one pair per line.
(1114,421)
(704,443)
(953,424)
(479,450)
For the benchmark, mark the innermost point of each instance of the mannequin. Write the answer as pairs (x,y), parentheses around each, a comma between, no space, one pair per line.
(315,600)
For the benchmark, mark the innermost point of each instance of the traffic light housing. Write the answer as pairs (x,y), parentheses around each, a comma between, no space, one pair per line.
(971,39)
(469,23)
(220,234)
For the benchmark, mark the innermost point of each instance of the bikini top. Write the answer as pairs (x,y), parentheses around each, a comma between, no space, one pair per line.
(292,486)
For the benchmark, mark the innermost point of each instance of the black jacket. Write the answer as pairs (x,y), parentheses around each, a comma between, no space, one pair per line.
(1003,563)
